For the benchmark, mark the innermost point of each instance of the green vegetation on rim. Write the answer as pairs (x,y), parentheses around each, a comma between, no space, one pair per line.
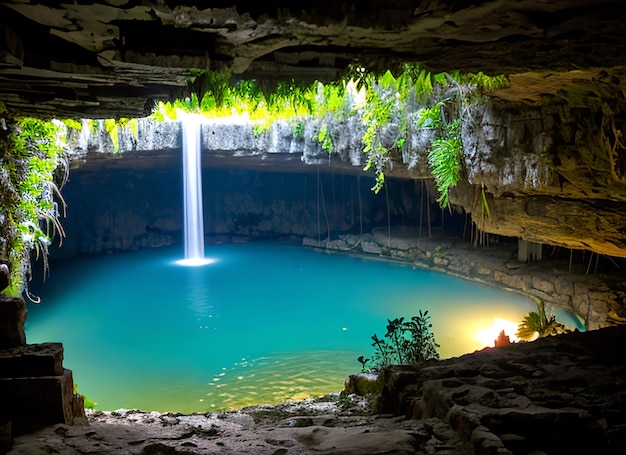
(388,107)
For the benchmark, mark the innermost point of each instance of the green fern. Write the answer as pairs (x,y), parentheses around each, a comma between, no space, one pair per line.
(445,160)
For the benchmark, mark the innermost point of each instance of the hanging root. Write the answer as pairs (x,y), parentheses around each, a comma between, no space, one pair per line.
(32,297)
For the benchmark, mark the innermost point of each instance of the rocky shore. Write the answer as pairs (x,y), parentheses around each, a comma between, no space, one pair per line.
(557,395)
(328,425)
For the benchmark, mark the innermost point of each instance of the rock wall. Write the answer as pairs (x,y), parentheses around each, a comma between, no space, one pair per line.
(126,209)
(553,163)
(548,152)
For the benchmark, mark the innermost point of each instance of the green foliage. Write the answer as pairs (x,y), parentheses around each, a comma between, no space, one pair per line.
(389,101)
(539,324)
(446,154)
(432,117)
(30,153)
(387,104)
(445,160)
(297,129)
(111,126)
(324,137)
(485,83)
(87,403)
(405,343)
(131,123)
(74,124)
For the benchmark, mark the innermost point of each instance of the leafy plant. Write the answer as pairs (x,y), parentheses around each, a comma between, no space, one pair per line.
(405,343)
(389,100)
(112,127)
(71,123)
(324,137)
(445,160)
(297,129)
(446,154)
(30,153)
(539,324)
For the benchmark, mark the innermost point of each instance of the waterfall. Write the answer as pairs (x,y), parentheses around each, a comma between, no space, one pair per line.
(192,188)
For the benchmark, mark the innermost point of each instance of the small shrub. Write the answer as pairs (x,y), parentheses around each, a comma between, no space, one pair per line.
(405,343)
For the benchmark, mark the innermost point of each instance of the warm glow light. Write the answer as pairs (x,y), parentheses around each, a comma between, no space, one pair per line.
(488,336)
(196,262)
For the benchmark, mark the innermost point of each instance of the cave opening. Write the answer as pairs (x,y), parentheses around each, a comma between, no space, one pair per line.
(126,209)
(290,182)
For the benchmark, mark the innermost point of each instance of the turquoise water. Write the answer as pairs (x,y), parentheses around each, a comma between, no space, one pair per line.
(263,323)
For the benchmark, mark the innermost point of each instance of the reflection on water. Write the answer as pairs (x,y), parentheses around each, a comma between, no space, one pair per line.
(263,323)
(276,378)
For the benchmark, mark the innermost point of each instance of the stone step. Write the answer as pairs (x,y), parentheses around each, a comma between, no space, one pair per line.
(35,402)
(45,359)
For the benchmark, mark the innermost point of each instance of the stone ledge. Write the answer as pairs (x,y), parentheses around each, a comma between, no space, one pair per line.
(32,360)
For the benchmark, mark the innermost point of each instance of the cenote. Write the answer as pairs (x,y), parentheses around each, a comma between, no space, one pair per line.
(263,322)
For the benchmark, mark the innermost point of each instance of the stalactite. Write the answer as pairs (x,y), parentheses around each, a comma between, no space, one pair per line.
(589,265)
(571,254)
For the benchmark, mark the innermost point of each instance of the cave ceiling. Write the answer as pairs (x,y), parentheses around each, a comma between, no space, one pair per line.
(115,58)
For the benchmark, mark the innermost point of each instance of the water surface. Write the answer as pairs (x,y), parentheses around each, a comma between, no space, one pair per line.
(263,323)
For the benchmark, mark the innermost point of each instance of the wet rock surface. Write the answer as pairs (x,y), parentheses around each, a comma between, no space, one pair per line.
(12,318)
